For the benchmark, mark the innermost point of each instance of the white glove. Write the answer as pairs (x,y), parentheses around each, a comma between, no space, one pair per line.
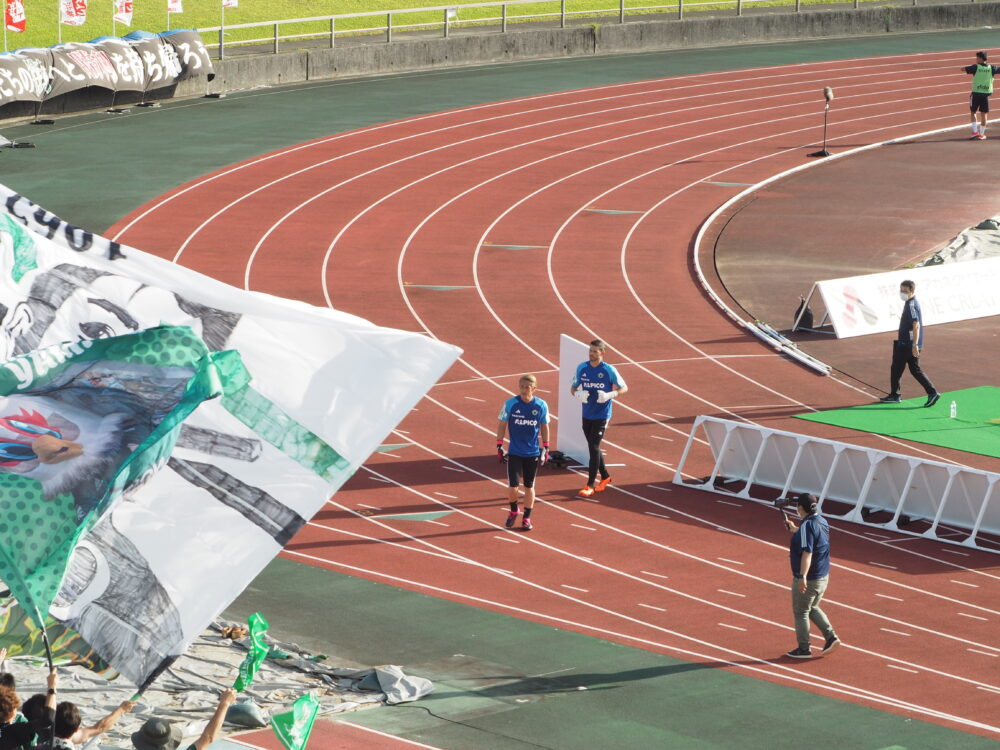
(581,395)
(604,396)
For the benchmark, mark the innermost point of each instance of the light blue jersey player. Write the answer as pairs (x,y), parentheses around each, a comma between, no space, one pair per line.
(527,420)
(596,384)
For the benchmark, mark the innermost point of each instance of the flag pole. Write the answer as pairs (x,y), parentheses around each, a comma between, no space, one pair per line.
(5,25)
(48,658)
(59,21)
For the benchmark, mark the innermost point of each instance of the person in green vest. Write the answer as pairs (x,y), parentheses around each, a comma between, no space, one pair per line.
(982,86)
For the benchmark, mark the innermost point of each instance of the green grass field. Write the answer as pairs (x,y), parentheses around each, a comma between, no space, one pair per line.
(151,15)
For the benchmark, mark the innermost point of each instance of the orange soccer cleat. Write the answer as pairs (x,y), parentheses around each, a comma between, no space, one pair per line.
(586,491)
(602,485)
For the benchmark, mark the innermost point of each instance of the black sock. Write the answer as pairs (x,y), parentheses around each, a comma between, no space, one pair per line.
(513,507)
(527,512)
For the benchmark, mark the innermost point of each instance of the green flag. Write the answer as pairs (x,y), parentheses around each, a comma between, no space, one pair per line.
(257,652)
(81,424)
(294,727)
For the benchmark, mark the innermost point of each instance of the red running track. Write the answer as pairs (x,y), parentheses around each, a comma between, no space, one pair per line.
(497,228)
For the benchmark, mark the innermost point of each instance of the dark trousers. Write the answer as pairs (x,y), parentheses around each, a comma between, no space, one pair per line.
(593,430)
(902,357)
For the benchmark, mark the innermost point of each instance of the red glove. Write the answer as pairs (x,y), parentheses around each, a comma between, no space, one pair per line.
(544,455)
(501,456)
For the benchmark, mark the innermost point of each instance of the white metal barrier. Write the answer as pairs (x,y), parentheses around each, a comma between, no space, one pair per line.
(954,500)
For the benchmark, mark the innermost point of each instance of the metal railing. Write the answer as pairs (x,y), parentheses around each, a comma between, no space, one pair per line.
(389,22)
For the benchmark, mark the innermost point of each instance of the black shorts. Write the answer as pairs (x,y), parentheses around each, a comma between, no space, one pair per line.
(979,102)
(521,467)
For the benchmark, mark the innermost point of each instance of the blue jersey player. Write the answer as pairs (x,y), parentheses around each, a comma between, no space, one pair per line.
(595,384)
(526,418)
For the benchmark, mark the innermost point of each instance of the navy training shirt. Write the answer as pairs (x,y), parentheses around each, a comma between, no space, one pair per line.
(911,312)
(812,536)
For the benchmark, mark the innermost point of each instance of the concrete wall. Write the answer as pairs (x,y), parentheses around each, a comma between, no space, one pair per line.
(526,43)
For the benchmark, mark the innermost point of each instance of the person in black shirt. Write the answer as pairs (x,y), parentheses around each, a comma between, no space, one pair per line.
(21,734)
(906,349)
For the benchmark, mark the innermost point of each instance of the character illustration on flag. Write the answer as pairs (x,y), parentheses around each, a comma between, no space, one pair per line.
(123,12)
(73,12)
(14,18)
(230,3)
(175,6)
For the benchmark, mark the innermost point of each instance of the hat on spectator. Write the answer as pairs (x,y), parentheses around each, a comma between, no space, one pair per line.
(157,734)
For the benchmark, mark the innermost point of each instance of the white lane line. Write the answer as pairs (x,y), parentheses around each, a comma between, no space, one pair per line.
(974,617)
(379,479)
(391,455)
(587,528)
(657,487)
(988,689)
(573,588)
(984,653)
(507,539)
(473,398)
(726,502)
(886,596)
(896,632)
(460,445)
(904,669)
(731,627)
(955,552)
(370,507)
(660,437)
(650,573)
(658,515)
(734,562)
(883,565)
(452,468)
(505,572)
(588,499)
(877,536)
(732,593)
(665,416)
(443,494)
(650,606)
(436,523)
(402,432)
(963,583)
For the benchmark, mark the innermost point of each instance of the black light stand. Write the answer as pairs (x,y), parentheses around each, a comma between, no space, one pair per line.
(828,95)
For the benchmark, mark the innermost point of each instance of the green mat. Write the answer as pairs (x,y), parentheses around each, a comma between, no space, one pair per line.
(971,430)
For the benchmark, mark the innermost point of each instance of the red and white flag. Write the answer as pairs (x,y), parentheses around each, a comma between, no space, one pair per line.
(73,12)
(123,12)
(14,18)
(230,3)
(175,6)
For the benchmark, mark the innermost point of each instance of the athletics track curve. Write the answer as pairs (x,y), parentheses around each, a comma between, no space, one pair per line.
(496,228)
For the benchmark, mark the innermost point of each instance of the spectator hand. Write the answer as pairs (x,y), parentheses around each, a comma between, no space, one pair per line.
(581,395)
(53,679)
(126,706)
(227,697)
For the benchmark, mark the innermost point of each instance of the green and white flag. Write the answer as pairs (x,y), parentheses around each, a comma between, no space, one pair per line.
(256,653)
(306,395)
(293,728)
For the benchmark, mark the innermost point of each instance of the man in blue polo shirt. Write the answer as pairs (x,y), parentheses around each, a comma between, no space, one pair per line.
(906,349)
(595,384)
(809,553)
(527,419)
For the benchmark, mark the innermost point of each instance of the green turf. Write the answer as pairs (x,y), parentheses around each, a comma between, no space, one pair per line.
(151,15)
(969,431)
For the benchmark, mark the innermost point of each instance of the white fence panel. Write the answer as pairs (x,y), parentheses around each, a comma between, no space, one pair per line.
(747,457)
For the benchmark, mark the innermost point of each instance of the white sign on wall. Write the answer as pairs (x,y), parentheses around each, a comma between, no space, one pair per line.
(860,305)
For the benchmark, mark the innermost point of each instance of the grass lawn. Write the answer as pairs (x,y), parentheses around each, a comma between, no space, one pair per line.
(151,15)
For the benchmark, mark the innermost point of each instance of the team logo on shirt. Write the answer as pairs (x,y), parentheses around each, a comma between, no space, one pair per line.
(600,374)
(534,412)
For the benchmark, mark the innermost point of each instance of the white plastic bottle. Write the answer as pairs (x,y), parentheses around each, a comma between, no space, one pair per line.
(954,410)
